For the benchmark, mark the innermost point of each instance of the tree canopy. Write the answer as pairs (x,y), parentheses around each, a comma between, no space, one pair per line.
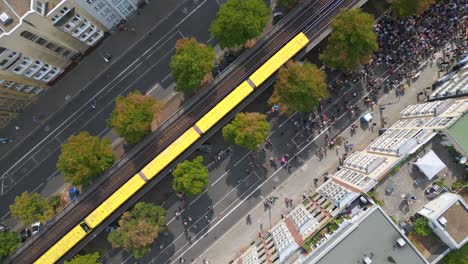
(83,157)
(238,21)
(352,41)
(139,228)
(421,227)
(9,241)
(456,256)
(248,130)
(31,208)
(191,63)
(288,3)
(299,87)
(93,258)
(406,8)
(190,177)
(133,114)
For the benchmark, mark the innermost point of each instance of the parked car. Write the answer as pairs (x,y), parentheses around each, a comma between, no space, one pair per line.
(216,70)
(25,234)
(230,57)
(36,227)
(73,193)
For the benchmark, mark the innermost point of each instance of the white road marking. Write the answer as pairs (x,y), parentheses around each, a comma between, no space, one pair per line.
(241,159)
(59,127)
(217,180)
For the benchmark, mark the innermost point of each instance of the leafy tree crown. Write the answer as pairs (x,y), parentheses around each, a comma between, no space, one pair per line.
(83,157)
(352,41)
(191,177)
(239,21)
(133,115)
(247,130)
(191,63)
(299,87)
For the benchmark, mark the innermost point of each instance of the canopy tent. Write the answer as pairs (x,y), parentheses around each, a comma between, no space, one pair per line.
(430,164)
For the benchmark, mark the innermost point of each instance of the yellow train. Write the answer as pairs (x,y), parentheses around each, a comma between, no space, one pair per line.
(161,161)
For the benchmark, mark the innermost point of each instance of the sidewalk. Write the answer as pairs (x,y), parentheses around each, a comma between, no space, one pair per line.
(236,240)
(53,100)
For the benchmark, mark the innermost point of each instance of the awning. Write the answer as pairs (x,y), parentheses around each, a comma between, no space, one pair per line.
(430,164)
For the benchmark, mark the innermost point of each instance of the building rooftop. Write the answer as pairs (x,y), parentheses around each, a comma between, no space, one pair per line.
(359,243)
(457,219)
(11,12)
(453,84)
(458,132)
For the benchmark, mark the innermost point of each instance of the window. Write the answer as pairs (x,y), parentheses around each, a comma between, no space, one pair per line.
(90,2)
(3,62)
(43,42)
(40,7)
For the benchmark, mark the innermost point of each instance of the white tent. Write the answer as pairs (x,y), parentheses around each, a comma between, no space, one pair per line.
(430,164)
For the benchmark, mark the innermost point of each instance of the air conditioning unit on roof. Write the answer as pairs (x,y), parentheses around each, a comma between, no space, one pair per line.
(5,19)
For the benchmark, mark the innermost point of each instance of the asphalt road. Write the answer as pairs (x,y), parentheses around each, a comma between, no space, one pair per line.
(234,187)
(31,166)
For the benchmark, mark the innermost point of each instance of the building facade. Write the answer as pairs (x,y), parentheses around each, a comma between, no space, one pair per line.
(40,38)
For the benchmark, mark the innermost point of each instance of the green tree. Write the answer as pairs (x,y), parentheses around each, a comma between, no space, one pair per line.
(247,130)
(190,177)
(299,87)
(83,157)
(456,256)
(9,241)
(421,227)
(288,3)
(139,228)
(351,42)
(93,258)
(191,63)
(133,114)
(238,21)
(31,208)
(406,8)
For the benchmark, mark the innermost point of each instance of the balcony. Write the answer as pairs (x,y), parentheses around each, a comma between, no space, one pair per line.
(95,38)
(33,69)
(84,26)
(61,19)
(46,69)
(51,75)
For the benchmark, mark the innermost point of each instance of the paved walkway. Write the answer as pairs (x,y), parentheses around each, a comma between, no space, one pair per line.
(236,240)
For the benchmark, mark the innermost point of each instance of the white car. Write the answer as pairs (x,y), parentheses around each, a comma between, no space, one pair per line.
(36,227)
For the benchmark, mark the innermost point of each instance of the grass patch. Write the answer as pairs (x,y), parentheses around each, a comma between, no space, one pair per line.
(459,256)
(376,198)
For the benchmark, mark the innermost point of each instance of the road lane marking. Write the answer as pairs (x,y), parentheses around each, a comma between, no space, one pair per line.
(85,105)
(217,180)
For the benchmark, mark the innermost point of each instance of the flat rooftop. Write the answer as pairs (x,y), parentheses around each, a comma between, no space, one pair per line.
(13,9)
(374,237)
(458,131)
(457,219)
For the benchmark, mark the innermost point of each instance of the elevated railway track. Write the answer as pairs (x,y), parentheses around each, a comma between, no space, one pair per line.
(151,160)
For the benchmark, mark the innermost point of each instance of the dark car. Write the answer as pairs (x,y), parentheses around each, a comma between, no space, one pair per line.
(73,193)
(230,57)
(25,234)
(216,70)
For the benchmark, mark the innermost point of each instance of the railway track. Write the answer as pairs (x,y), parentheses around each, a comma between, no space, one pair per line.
(311,19)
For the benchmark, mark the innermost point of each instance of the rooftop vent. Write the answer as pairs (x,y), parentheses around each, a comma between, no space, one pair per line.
(442,221)
(5,19)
